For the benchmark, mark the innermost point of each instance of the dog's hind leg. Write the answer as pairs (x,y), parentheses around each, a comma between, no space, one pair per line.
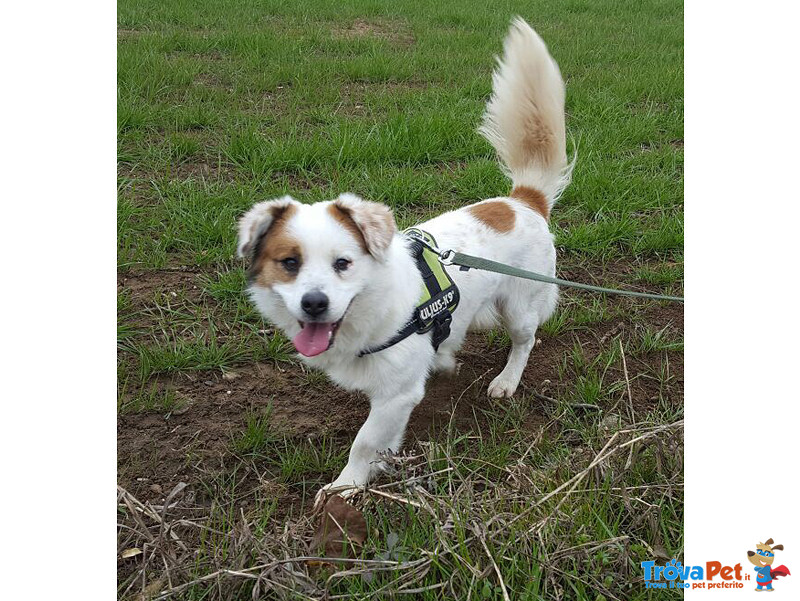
(521,319)
(523,337)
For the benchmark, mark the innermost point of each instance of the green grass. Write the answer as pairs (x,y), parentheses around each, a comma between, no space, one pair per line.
(182,356)
(223,104)
(276,99)
(289,460)
(660,274)
(651,339)
(257,435)
(579,314)
(150,400)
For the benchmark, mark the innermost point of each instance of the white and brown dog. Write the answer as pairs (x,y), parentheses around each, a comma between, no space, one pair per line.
(337,277)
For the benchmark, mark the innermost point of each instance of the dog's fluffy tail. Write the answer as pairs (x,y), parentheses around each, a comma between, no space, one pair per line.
(524,119)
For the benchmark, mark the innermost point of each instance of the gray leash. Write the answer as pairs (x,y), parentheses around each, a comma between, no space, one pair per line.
(451,257)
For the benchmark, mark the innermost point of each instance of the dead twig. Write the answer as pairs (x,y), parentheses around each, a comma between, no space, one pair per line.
(627,382)
(482,538)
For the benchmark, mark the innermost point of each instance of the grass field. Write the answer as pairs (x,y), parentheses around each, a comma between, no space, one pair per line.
(224,437)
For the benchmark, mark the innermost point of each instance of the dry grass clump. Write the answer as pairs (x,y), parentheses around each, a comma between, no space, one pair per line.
(445,522)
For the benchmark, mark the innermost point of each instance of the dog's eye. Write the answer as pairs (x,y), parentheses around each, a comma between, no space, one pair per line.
(341,264)
(290,264)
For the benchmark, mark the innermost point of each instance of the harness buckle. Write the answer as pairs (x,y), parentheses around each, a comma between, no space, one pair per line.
(441,329)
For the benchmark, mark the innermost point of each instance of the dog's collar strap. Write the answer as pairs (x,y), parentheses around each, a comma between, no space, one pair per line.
(439,298)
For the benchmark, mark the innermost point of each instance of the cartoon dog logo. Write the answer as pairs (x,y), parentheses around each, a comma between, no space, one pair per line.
(762,558)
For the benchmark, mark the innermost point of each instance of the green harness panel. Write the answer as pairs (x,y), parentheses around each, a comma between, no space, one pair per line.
(438,299)
(439,293)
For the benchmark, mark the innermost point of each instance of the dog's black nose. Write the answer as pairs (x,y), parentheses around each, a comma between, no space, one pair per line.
(314,303)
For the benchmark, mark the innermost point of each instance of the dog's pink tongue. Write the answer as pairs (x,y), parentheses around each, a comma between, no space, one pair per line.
(313,339)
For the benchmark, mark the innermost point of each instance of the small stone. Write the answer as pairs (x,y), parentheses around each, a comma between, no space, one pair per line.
(182,408)
(610,422)
(156,489)
(132,552)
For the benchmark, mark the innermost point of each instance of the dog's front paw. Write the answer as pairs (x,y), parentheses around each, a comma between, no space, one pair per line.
(334,488)
(501,388)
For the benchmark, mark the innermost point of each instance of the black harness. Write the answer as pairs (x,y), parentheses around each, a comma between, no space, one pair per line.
(440,296)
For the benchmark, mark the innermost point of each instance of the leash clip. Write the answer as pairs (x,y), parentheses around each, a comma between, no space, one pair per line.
(446,256)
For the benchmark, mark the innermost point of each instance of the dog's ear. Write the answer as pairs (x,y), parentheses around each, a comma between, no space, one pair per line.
(768,541)
(777,547)
(255,223)
(373,220)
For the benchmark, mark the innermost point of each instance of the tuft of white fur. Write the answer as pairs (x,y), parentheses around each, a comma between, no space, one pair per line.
(524,118)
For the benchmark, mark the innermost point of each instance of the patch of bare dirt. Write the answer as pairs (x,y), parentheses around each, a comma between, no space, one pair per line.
(209,55)
(648,106)
(142,286)
(125,34)
(196,442)
(650,146)
(355,96)
(199,169)
(212,80)
(395,32)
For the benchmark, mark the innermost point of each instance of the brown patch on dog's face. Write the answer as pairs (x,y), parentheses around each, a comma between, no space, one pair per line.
(496,214)
(274,251)
(346,220)
(533,198)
